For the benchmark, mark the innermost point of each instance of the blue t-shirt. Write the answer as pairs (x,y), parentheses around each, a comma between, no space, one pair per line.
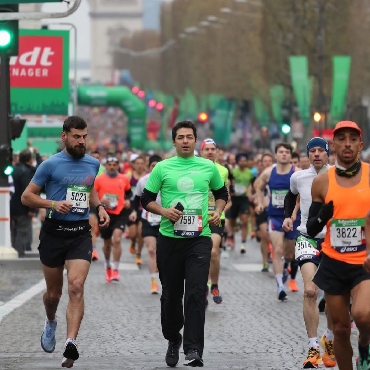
(66,178)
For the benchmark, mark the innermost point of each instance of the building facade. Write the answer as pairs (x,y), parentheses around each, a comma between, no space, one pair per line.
(110,20)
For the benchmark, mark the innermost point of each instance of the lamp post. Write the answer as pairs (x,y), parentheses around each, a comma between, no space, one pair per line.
(317,118)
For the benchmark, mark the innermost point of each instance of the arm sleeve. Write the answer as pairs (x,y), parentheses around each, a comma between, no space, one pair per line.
(147,197)
(136,203)
(314,224)
(221,194)
(289,203)
(128,194)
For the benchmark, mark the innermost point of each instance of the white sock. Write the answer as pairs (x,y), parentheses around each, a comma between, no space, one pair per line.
(279,279)
(115,265)
(55,320)
(329,334)
(313,342)
(107,264)
(71,340)
(154,276)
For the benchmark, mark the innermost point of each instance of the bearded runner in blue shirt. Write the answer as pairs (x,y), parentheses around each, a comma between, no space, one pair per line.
(65,237)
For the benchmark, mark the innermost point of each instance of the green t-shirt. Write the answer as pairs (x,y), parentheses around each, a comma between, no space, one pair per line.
(185,180)
(224,173)
(101,170)
(242,181)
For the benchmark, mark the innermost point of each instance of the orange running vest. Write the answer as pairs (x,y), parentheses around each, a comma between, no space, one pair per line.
(345,237)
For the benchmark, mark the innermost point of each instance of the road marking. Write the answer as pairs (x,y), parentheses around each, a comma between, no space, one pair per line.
(248,267)
(128,267)
(22,298)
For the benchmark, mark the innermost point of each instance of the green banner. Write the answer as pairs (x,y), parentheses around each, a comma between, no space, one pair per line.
(223,121)
(341,72)
(277,96)
(119,96)
(260,112)
(301,85)
(39,75)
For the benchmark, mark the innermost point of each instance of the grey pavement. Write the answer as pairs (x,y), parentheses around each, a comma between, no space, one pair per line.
(251,329)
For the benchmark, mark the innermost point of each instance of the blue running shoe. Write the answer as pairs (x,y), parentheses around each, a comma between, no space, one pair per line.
(48,336)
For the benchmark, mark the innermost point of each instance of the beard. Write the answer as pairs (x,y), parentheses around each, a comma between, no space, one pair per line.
(76,152)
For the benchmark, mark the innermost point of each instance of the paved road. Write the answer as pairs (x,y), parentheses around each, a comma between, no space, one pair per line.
(251,329)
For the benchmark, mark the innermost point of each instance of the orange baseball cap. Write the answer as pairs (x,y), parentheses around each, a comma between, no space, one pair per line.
(347,124)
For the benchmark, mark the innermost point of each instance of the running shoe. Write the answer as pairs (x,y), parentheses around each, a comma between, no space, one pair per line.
(70,354)
(271,252)
(216,295)
(138,261)
(265,268)
(328,358)
(193,359)
(363,363)
(293,286)
(173,352)
(154,289)
(253,234)
(108,274)
(48,336)
(313,359)
(95,256)
(322,304)
(115,275)
(242,249)
(282,296)
(132,248)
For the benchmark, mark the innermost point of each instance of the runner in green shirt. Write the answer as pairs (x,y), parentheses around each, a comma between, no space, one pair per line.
(184,242)
(209,150)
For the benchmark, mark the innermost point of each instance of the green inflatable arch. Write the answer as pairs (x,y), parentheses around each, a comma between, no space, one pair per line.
(122,97)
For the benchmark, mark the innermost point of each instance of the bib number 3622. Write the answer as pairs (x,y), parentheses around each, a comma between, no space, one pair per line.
(348,235)
(79,196)
(190,224)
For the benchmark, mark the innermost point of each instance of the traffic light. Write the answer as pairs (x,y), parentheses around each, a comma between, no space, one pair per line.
(6,160)
(203,117)
(16,126)
(9,32)
(285,128)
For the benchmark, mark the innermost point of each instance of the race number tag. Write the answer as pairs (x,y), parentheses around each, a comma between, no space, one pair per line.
(154,219)
(190,224)
(240,189)
(277,198)
(211,201)
(348,235)
(79,196)
(112,200)
(305,248)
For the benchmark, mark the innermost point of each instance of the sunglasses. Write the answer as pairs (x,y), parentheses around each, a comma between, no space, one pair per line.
(112,159)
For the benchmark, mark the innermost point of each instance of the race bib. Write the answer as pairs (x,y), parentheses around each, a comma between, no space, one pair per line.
(154,219)
(79,196)
(211,202)
(348,235)
(190,224)
(305,248)
(240,189)
(112,200)
(277,198)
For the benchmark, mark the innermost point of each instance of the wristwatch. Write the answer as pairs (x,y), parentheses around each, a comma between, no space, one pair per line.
(100,205)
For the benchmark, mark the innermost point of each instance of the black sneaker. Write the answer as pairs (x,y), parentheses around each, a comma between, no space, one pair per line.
(172,355)
(193,358)
(70,354)
(322,305)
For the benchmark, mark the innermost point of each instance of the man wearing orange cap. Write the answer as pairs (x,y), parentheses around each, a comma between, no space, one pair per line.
(341,201)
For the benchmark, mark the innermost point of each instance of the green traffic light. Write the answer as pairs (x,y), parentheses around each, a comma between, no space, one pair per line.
(5,38)
(8,170)
(285,128)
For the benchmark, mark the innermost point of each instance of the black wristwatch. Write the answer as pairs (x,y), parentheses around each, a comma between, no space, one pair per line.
(100,205)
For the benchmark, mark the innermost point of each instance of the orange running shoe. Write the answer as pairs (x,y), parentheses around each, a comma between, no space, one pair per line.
(115,275)
(132,248)
(108,274)
(138,261)
(313,359)
(271,250)
(293,286)
(154,289)
(328,358)
(95,256)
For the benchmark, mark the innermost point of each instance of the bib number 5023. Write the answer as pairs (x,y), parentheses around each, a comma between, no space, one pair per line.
(78,197)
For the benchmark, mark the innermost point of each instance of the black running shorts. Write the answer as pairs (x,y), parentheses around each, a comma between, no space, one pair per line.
(148,230)
(239,206)
(219,229)
(54,251)
(116,222)
(338,278)
(261,218)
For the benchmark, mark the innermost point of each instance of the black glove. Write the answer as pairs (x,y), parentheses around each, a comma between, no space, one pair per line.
(326,212)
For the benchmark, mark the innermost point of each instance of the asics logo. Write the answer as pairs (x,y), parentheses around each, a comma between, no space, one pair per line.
(187,233)
(348,249)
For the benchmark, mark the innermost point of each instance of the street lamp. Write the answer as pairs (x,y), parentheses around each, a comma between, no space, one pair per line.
(317,118)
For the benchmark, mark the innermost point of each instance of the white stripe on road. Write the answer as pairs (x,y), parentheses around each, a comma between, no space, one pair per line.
(248,267)
(128,267)
(22,298)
